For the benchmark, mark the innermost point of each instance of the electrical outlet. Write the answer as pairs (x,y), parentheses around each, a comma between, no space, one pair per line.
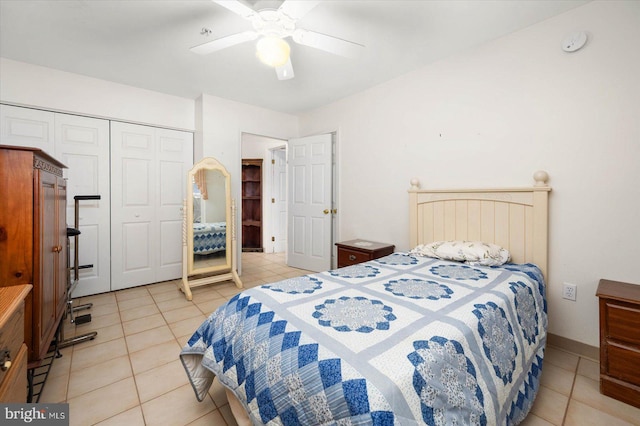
(569,291)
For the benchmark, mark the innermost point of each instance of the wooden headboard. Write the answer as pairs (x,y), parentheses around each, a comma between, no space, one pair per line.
(513,218)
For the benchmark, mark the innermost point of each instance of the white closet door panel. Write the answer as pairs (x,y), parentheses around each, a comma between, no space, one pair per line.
(175,158)
(133,219)
(27,127)
(82,144)
(149,168)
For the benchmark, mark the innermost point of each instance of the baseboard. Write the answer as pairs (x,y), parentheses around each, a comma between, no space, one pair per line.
(573,346)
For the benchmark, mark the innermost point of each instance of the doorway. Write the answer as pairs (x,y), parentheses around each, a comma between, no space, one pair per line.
(277,199)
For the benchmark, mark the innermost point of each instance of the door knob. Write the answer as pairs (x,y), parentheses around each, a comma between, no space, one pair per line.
(325,211)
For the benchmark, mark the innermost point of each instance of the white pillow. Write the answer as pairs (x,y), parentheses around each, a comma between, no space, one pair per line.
(469,252)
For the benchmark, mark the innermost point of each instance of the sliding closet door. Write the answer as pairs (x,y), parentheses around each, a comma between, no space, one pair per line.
(82,144)
(148,171)
(27,127)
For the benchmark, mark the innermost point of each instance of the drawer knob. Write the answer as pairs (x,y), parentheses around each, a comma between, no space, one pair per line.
(352,257)
(6,360)
(18,274)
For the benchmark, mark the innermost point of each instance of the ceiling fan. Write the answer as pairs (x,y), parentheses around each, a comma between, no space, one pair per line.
(272,26)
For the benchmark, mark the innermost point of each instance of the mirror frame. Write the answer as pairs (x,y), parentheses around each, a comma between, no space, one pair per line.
(208,164)
(193,277)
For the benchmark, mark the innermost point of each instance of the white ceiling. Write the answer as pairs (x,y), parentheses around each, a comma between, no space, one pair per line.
(146,43)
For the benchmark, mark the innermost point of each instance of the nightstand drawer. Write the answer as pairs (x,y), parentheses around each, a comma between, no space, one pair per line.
(348,257)
(623,363)
(623,322)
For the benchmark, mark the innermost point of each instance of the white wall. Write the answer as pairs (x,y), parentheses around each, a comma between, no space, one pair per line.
(224,122)
(35,86)
(494,115)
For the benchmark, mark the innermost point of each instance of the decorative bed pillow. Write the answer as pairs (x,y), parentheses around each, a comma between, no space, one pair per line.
(470,252)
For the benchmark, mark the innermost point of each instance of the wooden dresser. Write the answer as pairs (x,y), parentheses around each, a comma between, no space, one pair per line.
(33,233)
(13,350)
(620,341)
(358,251)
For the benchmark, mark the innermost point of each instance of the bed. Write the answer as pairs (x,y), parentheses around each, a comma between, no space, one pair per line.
(405,339)
(209,237)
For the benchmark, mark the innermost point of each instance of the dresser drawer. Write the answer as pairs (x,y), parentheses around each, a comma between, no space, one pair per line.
(12,337)
(348,257)
(14,384)
(623,322)
(623,363)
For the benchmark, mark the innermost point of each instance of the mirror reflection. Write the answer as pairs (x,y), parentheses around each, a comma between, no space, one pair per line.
(207,218)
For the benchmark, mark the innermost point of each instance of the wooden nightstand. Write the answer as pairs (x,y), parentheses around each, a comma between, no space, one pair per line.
(358,251)
(620,341)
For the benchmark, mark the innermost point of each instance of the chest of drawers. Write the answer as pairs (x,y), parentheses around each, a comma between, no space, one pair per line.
(620,340)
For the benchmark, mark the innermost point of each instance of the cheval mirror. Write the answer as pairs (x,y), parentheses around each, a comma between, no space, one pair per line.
(208,230)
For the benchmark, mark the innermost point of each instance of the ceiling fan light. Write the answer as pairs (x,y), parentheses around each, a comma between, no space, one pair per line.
(273,51)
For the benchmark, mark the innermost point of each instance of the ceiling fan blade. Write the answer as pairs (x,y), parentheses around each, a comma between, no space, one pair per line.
(296,9)
(224,42)
(236,7)
(327,43)
(285,72)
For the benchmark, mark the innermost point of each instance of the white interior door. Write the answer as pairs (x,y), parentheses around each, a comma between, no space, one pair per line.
(82,144)
(279,195)
(148,171)
(309,232)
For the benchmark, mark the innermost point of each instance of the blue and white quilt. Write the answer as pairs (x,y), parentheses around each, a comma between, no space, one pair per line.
(401,340)
(209,237)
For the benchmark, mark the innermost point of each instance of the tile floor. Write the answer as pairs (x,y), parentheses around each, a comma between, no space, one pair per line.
(131,375)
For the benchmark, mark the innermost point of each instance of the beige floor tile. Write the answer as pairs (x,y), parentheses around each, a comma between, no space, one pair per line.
(96,299)
(163,410)
(561,359)
(105,334)
(55,389)
(174,303)
(208,307)
(132,417)
(558,379)
(99,322)
(103,403)
(154,356)
(61,366)
(587,391)
(180,328)
(131,293)
(550,405)
(580,414)
(213,418)
(99,375)
(168,295)
(86,357)
(533,420)
(589,368)
(204,294)
(160,380)
(135,303)
(143,324)
(163,287)
(225,410)
(141,312)
(155,336)
(180,314)
(218,394)
(99,309)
